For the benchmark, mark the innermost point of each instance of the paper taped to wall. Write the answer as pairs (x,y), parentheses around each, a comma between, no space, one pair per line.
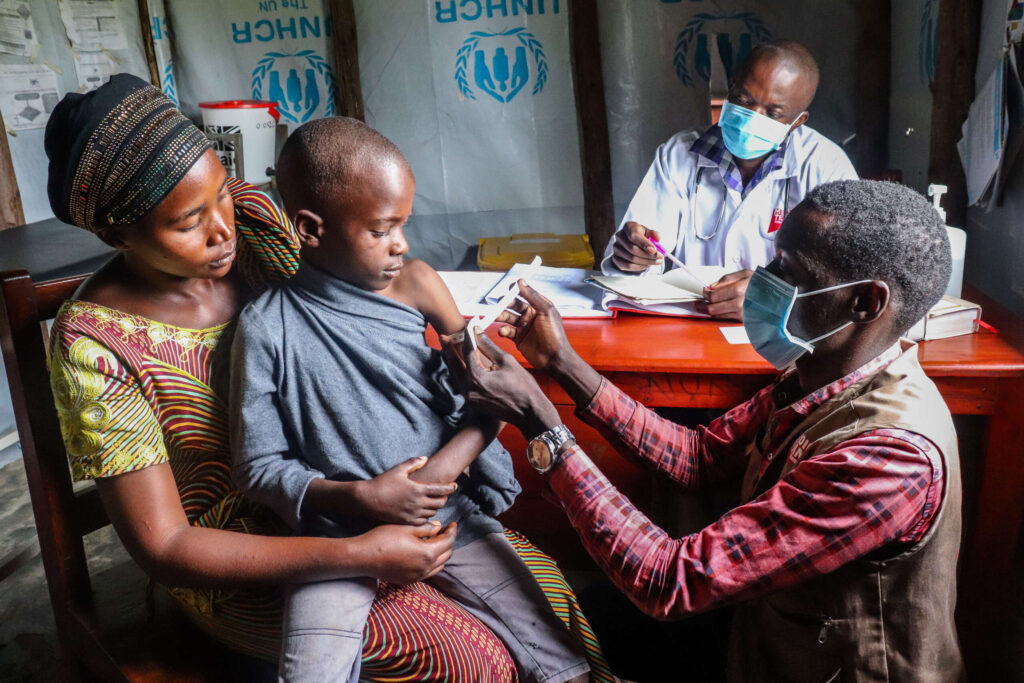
(93,25)
(28,93)
(17,32)
(984,133)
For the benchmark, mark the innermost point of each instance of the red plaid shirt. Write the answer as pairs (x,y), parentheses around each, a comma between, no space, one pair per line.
(880,488)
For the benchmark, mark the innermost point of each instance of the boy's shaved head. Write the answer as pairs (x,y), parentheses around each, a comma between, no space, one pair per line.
(791,55)
(322,158)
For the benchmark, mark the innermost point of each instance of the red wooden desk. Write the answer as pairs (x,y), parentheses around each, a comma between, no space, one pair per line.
(688,363)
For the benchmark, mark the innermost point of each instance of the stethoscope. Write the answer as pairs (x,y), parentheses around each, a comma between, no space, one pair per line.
(721,211)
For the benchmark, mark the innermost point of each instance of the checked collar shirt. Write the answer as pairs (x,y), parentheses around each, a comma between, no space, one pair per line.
(711,146)
(876,490)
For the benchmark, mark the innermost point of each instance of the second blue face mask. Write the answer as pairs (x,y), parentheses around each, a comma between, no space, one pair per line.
(767,306)
(747,134)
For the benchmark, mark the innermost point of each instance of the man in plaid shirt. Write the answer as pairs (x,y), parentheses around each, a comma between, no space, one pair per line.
(843,552)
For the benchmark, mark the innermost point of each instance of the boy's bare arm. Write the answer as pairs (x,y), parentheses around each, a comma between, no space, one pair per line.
(461,450)
(392,496)
(422,288)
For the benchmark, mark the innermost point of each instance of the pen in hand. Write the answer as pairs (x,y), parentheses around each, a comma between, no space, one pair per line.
(677,262)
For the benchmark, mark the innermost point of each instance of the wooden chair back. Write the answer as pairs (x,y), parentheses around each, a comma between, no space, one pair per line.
(138,650)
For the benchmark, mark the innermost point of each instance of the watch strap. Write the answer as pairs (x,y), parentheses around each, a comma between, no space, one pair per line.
(554,438)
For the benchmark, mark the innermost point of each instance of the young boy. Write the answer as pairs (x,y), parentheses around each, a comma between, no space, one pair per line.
(342,416)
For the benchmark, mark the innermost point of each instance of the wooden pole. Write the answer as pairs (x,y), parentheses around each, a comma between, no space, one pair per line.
(146,24)
(874,53)
(952,93)
(592,120)
(346,59)
(11,211)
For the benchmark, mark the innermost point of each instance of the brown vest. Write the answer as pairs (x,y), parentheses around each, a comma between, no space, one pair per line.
(886,617)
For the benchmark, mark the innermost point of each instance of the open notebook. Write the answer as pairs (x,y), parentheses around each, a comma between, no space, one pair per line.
(672,293)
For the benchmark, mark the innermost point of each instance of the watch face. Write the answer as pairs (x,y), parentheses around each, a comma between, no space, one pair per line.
(540,454)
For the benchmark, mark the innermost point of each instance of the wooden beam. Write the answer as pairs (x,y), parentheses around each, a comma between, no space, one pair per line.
(874,53)
(952,93)
(346,59)
(146,24)
(11,211)
(592,121)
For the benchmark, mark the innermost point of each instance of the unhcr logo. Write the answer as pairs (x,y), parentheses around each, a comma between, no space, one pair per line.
(500,64)
(732,36)
(302,84)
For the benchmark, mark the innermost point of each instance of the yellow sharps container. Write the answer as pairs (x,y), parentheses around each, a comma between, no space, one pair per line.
(562,251)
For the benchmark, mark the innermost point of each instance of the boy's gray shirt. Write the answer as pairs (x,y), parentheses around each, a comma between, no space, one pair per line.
(328,379)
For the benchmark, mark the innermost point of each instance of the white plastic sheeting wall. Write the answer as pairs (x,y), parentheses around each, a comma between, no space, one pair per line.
(479,96)
(254,49)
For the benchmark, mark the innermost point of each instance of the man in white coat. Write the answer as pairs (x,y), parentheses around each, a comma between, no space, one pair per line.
(717,197)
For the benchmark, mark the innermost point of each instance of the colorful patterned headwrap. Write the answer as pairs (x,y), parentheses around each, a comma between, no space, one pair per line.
(116,152)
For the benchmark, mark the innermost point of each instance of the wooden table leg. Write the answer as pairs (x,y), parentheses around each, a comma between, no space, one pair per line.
(985,605)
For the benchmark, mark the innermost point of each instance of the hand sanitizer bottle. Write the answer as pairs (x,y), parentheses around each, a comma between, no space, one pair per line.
(957,242)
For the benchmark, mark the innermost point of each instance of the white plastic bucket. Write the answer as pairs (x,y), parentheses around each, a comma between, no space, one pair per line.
(257,122)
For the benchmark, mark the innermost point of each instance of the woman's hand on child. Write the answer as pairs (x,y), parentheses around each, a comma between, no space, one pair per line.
(406,554)
(392,497)
(536,328)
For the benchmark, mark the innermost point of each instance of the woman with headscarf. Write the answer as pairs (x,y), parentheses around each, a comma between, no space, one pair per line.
(137,375)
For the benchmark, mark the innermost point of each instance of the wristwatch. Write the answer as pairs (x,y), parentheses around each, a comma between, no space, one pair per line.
(543,451)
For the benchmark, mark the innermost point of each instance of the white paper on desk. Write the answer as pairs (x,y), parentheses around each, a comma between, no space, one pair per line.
(565,287)
(984,133)
(93,69)
(93,24)
(735,334)
(28,93)
(468,288)
(17,32)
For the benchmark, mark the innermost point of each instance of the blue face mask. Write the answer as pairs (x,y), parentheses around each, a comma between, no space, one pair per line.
(766,308)
(747,134)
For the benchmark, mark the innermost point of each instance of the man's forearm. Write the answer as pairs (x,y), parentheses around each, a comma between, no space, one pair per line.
(578,379)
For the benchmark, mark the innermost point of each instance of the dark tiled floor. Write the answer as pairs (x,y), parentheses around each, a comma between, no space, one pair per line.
(28,642)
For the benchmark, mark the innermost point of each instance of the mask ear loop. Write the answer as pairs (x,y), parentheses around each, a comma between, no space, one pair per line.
(810,342)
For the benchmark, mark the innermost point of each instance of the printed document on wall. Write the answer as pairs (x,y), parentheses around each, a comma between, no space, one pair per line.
(984,134)
(17,32)
(93,24)
(93,69)
(28,93)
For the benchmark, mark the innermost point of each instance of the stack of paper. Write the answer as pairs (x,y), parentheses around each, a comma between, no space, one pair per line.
(565,287)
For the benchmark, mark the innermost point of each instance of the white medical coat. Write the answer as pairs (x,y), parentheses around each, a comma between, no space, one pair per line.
(669,196)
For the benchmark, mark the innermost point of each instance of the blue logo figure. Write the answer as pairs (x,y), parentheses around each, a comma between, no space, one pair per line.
(295,82)
(497,76)
(167,83)
(734,36)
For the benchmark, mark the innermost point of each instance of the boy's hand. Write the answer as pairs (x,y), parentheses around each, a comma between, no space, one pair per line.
(406,554)
(392,497)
